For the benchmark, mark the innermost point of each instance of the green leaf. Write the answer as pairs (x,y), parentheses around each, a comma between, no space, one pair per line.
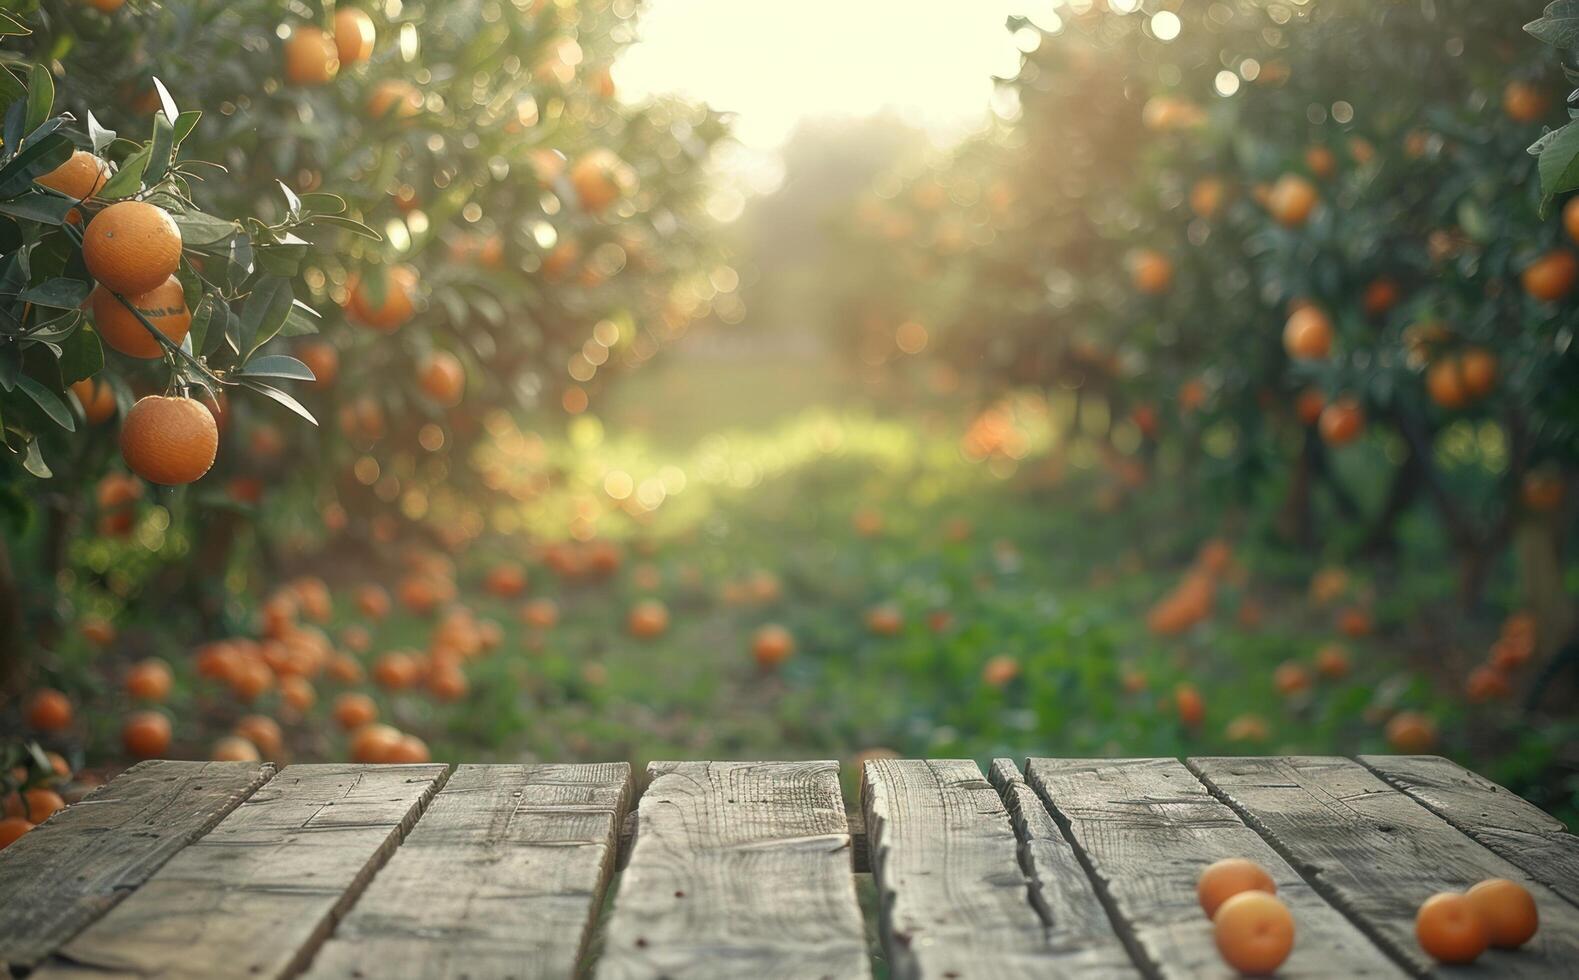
(202,320)
(34,463)
(277,366)
(302,322)
(1558,162)
(199,229)
(293,204)
(281,397)
(11,27)
(322,202)
(59,293)
(40,97)
(101,137)
(129,179)
(49,209)
(1559,25)
(166,100)
(185,123)
(161,149)
(349,224)
(264,313)
(47,400)
(11,88)
(81,356)
(32,161)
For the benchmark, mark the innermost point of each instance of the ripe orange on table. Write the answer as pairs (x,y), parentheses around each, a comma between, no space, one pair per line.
(1508,910)
(1292,200)
(772,645)
(1307,336)
(1254,932)
(146,734)
(233,748)
(1150,271)
(37,804)
(132,247)
(353,710)
(1550,277)
(171,441)
(384,310)
(1524,103)
(394,99)
(354,35)
(1224,879)
(442,378)
(1450,928)
(96,398)
(149,680)
(12,828)
(164,306)
(47,710)
(1342,421)
(648,618)
(79,177)
(312,57)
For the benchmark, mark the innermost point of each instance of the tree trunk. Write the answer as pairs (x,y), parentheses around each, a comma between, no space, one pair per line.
(1294,521)
(59,521)
(1382,539)
(12,654)
(1541,585)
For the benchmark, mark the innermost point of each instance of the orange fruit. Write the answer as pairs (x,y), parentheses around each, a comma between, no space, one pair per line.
(1292,200)
(233,748)
(1207,196)
(1450,928)
(37,804)
(132,247)
(1308,406)
(96,398)
(442,378)
(505,580)
(396,670)
(311,56)
(1524,103)
(1150,271)
(1291,678)
(1445,384)
(1542,491)
(79,177)
(541,613)
(648,618)
(1380,297)
(772,645)
(322,359)
(97,631)
(448,682)
(601,178)
(1549,278)
(1508,910)
(409,750)
(1254,932)
(1224,879)
(1478,368)
(374,743)
(149,680)
(1188,705)
(1307,336)
(1487,683)
(1342,421)
(12,828)
(298,692)
(1332,661)
(171,441)
(394,99)
(354,35)
(884,620)
(1248,728)
(1411,733)
(164,306)
(1321,162)
(1571,218)
(47,710)
(146,734)
(354,710)
(385,311)
(263,732)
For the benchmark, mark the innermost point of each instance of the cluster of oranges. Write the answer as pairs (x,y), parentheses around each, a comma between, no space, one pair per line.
(1514,648)
(1190,601)
(27,806)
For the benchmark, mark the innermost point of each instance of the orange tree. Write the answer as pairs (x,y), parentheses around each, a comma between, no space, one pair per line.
(502,234)
(1283,265)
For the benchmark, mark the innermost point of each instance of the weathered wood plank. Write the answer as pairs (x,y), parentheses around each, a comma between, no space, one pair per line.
(740,869)
(502,877)
(1080,936)
(254,897)
(952,898)
(71,869)
(1146,828)
(1377,854)
(1516,829)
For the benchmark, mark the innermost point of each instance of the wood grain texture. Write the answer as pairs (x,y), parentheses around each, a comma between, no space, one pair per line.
(1516,829)
(952,898)
(502,877)
(1145,829)
(256,896)
(1080,937)
(75,866)
(1377,854)
(740,869)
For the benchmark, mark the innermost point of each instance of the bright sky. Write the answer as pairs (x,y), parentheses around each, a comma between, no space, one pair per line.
(775,62)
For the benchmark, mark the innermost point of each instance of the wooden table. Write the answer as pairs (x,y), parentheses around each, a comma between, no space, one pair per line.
(1069,867)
